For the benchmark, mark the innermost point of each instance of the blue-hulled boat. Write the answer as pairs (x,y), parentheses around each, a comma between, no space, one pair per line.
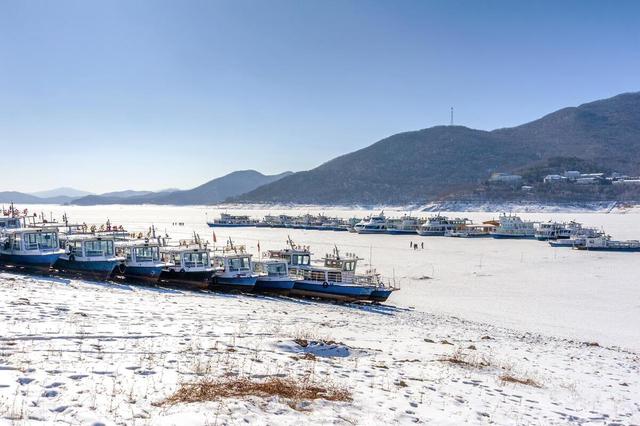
(142,260)
(273,277)
(334,279)
(232,270)
(189,264)
(36,248)
(90,255)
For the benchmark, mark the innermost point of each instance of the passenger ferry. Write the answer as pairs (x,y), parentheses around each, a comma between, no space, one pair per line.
(91,255)
(577,237)
(438,226)
(232,269)
(30,247)
(142,259)
(511,226)
(605,243)
(372,225)
(273,277)
(188,264)
(404,225)
(232,221)
(473,231)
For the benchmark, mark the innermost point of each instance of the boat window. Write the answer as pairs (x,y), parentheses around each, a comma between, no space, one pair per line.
(147,254)
(239,264)
(195,259)
(98,248)
(258,268)
(349,266)
(41,240)
(300,259)
(277,269)
(16,242)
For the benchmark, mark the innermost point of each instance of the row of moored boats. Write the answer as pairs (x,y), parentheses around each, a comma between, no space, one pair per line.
(507,226)
(110,252)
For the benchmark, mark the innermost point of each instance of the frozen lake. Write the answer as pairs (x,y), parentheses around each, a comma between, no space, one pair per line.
(524,285)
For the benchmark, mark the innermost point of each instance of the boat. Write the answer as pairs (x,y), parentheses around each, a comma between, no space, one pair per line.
(36,248)
(332,279)
(577,238)
(438,226)
(91,255)
(232,269)
(374,224)
(232,221)
(406,225)
(473,230)
(513,227)
(605,243)
(273,277)
(142,259)
(546,231)
(381,290)
(188,264)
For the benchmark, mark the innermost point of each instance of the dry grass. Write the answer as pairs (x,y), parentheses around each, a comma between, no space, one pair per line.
(508,378)
(291,389)
(467,360)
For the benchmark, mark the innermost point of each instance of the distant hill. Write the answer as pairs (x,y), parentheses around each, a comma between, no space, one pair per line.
(126,194)
(7,197)
(428,164)
(61,192)
(212,192)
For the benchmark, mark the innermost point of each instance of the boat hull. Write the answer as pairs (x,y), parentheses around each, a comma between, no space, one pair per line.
(232,284)
(102,269)
(616,249)
(281,287)
(330,291)
(230,225)
(512,237)
(431,233)
(38,261)
(143,273)
(190,279)
(401,232)
(380,295)
(371,231)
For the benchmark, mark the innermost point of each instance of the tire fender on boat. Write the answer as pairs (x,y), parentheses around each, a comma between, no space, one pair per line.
(182,271)
(325,284)
(72,258)
(121,268)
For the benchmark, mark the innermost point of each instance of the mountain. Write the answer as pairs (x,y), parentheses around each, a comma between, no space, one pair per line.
(126,194)
(212,192)
(61,192)
(428,164)
(7,197)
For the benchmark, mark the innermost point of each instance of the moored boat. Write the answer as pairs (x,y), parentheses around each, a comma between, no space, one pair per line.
(142,259)
(36,248)
(513,227)
(438,226)
(232,221)
(90,255)
(232,269)
(374,224)
(405,225)
(188,264)
(273,277)
(605,243)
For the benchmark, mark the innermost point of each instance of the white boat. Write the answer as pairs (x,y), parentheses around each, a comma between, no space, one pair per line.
(91,255)
(142,259)
(438,226)
(189,264)
(232,269)
(472,230)
(513,227)
(605,243)
(232,221)
(30,247)
(374,224)
(404,225)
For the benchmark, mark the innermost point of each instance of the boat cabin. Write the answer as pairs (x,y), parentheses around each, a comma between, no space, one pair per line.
(188,258)
(82,246)
(271,268)
(31,240)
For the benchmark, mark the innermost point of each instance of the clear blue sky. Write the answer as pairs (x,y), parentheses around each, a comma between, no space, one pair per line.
(105,95)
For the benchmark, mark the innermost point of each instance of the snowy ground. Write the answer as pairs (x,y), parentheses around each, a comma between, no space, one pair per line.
(88,353)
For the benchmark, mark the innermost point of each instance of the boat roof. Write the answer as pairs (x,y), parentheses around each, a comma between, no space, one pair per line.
(31,229)
(86,237)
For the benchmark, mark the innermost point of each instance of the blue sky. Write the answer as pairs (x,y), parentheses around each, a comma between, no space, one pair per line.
(106,95)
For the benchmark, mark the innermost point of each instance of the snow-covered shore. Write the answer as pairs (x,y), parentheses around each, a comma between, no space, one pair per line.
(87,353)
